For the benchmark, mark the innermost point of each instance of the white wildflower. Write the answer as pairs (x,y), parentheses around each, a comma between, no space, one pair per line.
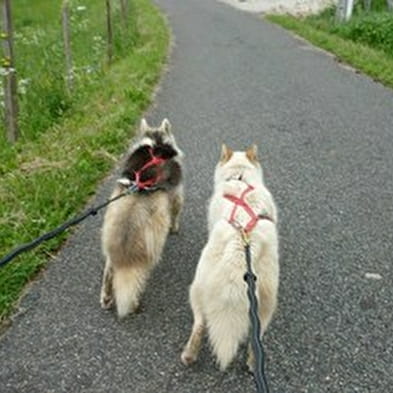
(22,86)
(24,82)
(22,90)
(4,71)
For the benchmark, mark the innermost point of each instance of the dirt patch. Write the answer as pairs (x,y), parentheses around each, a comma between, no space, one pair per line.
(293,7)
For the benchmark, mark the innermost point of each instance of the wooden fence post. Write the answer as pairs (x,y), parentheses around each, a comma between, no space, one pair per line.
(10,82)
(340,10)
(349,9)
(65,21)
(109,30)
(124,11)
(344,10)
(367,5)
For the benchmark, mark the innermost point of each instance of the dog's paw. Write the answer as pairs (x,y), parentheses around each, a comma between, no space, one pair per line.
(187,357)
(106,302)
(251,364)
(130,309)
(174,229)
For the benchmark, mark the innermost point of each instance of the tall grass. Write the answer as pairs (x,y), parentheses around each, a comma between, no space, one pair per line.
(373,28)
(365,42)
(40,63)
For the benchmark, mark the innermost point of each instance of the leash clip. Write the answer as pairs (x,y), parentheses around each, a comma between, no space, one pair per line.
(243,232)
(132,188)
(245,236)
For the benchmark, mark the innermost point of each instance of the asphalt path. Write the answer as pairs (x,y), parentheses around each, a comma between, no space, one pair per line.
(325,140)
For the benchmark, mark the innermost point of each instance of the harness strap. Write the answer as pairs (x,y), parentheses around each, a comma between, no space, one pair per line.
(240,201)
(142,185)
(250,278)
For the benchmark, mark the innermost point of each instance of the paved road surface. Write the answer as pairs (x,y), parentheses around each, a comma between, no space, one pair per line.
(325,137)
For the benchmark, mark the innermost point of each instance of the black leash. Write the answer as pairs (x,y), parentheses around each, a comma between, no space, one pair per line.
(74,221)
(139,184)
(256,341)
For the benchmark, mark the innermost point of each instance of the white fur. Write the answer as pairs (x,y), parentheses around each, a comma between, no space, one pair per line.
(144,126)
(218,293)
(166,126)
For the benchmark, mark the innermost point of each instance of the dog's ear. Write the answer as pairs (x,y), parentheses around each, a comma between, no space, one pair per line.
(226,153)
(252,153)
(166,126)
(143,127)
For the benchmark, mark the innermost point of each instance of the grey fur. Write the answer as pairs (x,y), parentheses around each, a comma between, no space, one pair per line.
(136,227)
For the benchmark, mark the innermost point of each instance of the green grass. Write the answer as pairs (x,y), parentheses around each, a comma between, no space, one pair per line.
(48,176)
(39,57)
(374,29)
(321,31)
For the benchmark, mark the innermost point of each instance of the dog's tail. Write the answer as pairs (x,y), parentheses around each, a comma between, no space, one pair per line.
(128,284)
(228,327)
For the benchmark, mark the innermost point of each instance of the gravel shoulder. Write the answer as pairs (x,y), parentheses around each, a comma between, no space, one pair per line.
(293,7)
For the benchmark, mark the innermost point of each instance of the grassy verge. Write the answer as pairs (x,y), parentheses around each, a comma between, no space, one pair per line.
(48,179)
(40,63)
(374,62)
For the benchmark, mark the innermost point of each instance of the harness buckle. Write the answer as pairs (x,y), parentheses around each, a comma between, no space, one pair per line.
(132,188)
(149,184)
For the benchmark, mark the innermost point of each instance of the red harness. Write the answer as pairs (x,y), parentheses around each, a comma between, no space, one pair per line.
(149,183)
(240,201)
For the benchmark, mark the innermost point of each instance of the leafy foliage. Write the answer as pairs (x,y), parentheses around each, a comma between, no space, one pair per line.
(374,28)
(40,59)
(372,61)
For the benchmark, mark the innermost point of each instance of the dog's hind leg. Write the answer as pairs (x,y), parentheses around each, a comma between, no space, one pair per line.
(106,298)
(191,350)
(176,207)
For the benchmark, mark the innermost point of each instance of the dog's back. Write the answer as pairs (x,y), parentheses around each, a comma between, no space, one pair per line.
(135,228)
(225,298)
(133,236)
(218,293)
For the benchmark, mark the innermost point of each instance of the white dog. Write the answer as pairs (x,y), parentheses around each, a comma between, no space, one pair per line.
(218,294)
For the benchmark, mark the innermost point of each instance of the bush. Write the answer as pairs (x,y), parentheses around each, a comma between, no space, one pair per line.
(374,29)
